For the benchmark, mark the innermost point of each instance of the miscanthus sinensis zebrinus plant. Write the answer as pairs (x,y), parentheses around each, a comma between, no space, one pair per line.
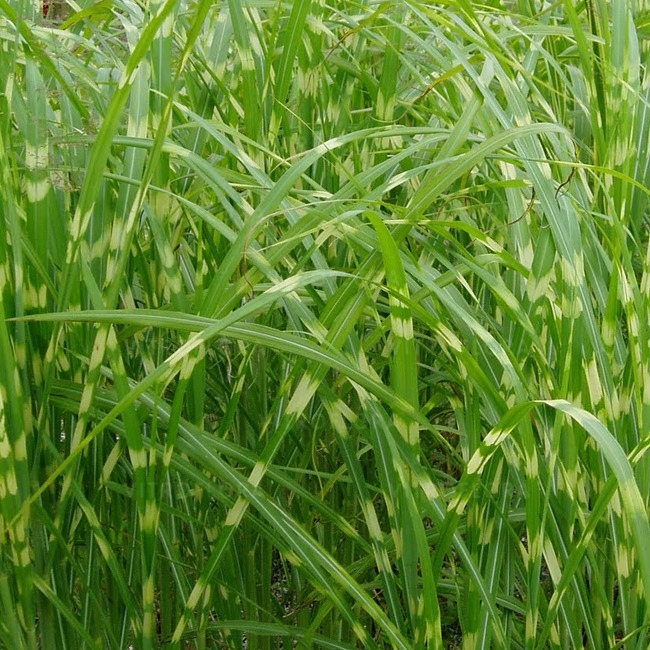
(324,324)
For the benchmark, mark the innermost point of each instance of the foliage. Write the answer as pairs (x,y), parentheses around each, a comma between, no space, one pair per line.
(324,325)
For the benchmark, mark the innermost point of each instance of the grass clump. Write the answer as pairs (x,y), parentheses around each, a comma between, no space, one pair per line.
(324,325)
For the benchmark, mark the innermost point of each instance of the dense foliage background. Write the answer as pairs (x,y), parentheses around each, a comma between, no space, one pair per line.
(324,324)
